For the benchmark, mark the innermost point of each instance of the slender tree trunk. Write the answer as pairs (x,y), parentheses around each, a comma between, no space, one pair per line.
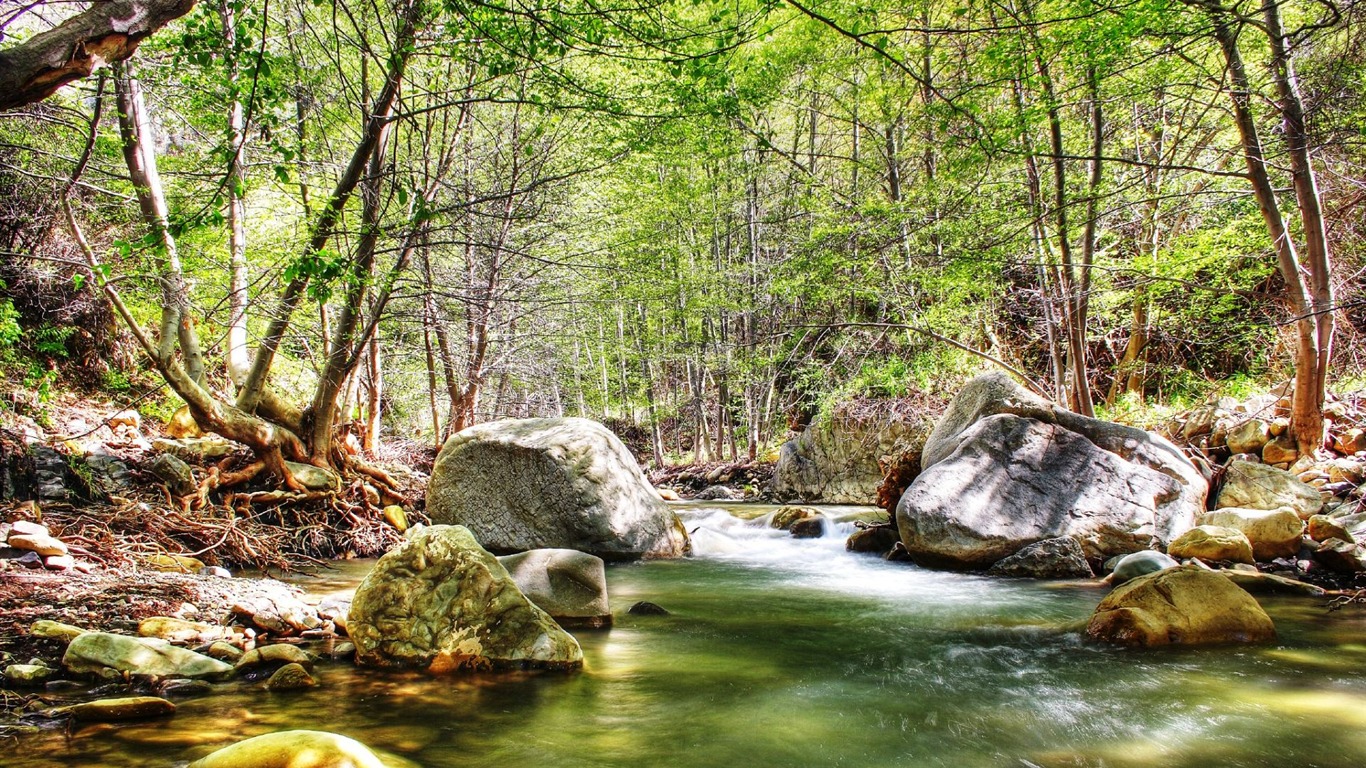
(239,358)
(374,399)
(135,127)
(1307,409)
(1306,413)
(375,126)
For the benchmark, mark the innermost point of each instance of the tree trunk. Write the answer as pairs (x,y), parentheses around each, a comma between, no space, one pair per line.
(1306,413)
(106,33)
(1307,409)
(239,357)
(374,399)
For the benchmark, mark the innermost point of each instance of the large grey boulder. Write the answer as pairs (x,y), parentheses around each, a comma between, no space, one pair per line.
(441,602)
(101,654)
(835,459)
(569,483)
(1004,469)
(568,584)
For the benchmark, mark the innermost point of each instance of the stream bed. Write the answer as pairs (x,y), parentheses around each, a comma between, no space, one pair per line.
(786,652)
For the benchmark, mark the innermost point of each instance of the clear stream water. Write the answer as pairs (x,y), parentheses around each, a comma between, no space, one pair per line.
(783,652)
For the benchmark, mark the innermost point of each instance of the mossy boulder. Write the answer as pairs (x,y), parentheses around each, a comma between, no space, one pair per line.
(442,603)
(100,654)
(1273,533)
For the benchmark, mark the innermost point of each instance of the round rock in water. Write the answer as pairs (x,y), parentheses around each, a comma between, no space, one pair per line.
(1188,605)
(441,602)
(569,585)
(647,608)
(293,749)
(567,483)
(1137,564)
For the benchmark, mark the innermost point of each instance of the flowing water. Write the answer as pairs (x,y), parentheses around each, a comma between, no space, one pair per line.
(783,652)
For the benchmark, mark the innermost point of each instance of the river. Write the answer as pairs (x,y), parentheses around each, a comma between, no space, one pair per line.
(785,652)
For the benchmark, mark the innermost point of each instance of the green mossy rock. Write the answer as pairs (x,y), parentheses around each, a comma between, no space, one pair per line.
(441,602)
(101,654)
(290,677)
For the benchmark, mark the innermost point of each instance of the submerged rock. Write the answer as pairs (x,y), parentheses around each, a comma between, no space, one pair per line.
(567,483)
(293,749)
(103,655)
(647,608)
(290,677)
(1005,469)
(1188,605)
(439,601)
(1060,558)
(116,710)
(569,585)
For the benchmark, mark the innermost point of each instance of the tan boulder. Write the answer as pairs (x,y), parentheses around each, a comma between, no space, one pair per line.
(1273,532)
(44,544)
(395,516)
(784,517)
(1351,441)
(1249,436)
(1340,557)
(1258,486)
(182,424)
(176,630)
(1322,528)
(1281,450)
(1212,543)
(1179,606)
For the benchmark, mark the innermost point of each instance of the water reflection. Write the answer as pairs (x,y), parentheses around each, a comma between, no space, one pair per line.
(783,652)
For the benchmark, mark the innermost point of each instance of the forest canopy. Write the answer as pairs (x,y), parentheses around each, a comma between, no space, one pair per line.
(314,218)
